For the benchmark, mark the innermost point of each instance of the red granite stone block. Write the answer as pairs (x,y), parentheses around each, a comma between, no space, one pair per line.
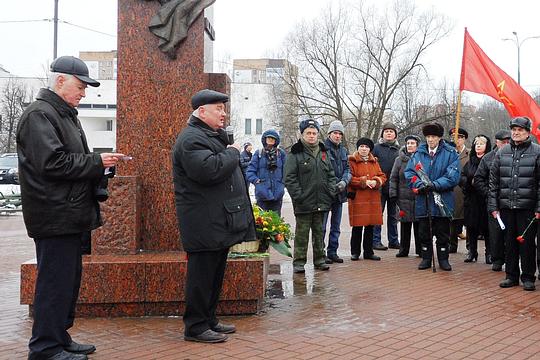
(153,284)
(120,233)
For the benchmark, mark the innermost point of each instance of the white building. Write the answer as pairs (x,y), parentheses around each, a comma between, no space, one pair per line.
(255,104)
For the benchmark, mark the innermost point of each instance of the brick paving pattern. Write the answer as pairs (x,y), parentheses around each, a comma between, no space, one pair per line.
(357,310)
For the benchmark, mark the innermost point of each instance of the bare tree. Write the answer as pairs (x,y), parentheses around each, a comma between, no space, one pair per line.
(12,101)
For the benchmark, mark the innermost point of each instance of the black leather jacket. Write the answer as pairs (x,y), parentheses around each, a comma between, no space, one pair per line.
(514,181)
(57,172)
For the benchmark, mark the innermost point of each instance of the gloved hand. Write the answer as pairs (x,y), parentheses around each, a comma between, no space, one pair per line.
(340,186)
(424,189)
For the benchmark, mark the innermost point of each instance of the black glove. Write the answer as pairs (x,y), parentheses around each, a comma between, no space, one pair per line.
(425,189)
(351,195)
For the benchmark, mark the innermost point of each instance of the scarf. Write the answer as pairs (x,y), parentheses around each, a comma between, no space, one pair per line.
(313,149)
(271,156)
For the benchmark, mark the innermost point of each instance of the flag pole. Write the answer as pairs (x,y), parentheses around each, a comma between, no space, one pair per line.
(458,113)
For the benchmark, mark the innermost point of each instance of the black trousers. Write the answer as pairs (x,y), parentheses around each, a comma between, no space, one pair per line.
(516,221)
(456,227)
(405,241)
(473,231)
(59,269)
(356,240)
(205,273)
(496,239)
(441,230)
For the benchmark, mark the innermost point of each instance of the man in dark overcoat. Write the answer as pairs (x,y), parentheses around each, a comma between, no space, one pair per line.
(59,176)
(213,209)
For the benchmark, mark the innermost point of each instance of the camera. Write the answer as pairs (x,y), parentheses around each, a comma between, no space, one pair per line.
(101,193)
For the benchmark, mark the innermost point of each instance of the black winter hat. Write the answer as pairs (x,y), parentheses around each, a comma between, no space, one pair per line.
(413,137)
(207,96)
(503,135)
(365,141)
(522,121)
(309,123)
(433,129)
(461,131)
(73,66)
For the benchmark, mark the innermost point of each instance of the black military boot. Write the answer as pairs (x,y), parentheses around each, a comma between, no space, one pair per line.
(426,258)
(442,257)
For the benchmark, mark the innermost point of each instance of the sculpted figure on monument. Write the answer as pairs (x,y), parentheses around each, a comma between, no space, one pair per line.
(173,20)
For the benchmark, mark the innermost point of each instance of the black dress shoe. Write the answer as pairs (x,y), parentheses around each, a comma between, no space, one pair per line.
(322,267)
(528,286)
(64,355)
(424,264)
(380,247)
(372,257)
(355,257)
(394,246)
(77,348)
(402,254)
(496,267)
(209,336)
(335,259)
(224,328)
(506,283)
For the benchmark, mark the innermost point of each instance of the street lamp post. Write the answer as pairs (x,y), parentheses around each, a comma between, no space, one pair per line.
(518,46)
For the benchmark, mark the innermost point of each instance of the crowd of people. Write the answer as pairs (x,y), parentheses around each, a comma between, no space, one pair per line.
(434,187)
(420,185)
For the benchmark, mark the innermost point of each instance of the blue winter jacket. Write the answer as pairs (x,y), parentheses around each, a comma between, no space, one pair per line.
(339,157)
(444,171)
(271,185)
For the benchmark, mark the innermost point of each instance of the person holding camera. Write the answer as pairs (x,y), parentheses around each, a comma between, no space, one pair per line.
(59,177)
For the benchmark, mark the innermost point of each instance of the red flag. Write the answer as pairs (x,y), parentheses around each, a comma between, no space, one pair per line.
(480,75)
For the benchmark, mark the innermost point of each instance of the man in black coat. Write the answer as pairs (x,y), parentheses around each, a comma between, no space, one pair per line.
(514,194)
(481,183)
(386,151)
(213,210)
(58,176)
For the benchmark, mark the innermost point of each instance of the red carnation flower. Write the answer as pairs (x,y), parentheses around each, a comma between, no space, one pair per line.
(414,178)
(418,166)
(520,239)
(401,213)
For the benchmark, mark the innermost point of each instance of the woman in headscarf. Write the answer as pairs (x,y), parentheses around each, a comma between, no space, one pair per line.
(475,203)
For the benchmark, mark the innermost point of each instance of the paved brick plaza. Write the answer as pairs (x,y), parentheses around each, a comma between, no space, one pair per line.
(357,310)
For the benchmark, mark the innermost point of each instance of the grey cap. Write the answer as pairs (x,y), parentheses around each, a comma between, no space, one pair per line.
(503,135)
(336,125)
(522,121)
(73,66)
(208,96)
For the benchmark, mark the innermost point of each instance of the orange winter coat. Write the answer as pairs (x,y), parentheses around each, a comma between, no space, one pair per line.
(365,209)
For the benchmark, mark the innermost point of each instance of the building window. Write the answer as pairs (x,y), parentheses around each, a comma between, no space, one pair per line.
(259,126)
(247,127)
(109,125)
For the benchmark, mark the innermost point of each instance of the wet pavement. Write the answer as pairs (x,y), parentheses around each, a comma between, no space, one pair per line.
(358,310)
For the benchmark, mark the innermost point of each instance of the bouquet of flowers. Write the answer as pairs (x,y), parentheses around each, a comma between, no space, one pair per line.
(272,230)
(427,182)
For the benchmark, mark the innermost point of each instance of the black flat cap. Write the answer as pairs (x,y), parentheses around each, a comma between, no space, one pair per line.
(73,66)
(461,131)
(208,96)
(503,135)
(522,122)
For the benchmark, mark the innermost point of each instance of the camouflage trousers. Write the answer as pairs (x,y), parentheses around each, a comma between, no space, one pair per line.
(305,222)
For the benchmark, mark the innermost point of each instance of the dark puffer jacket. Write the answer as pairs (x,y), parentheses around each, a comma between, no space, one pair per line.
(339,158)
(481,177)
(514,181)
(57,172)
(399,188)
(309,179)
(212,203)
(386,154)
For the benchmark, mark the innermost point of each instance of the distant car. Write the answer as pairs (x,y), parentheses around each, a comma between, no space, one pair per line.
(9,169)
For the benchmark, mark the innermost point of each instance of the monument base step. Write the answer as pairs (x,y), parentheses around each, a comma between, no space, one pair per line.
(152,284)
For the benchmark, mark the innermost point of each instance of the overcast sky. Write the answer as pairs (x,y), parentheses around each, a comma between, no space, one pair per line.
(255,28)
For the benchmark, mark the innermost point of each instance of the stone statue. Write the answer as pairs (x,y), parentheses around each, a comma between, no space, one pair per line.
(173,20)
